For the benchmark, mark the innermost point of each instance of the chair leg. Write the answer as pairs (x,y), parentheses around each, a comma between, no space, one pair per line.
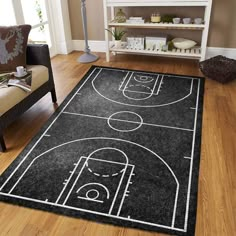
(54,96)
(2,144)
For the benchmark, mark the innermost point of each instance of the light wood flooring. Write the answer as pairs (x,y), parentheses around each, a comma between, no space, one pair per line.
(216,214)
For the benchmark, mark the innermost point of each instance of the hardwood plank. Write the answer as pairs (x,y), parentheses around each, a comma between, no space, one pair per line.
(216,214)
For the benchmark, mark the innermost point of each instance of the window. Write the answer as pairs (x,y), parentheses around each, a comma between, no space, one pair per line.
(7,15)
(34,13)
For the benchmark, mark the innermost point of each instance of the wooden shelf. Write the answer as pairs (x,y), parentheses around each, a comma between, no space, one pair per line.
(159,26)
(143,3)
(110,7)
(194,53)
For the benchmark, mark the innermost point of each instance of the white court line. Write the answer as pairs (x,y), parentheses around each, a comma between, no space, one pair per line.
(104,138)
(110,148)
(28,167)
(47,135)
(118,188)
(90,199)
(155,84)
(144,81)
(127,185)
(175,205)
(99,184)
(136,99)
(81,170)
(150,73)
(30,151)
(159,88)
(13,172)
(99,137)
(160,105)
(140,123)
(128,81)
(191,163)
(120,182)
(132,91)
(126,89)
(76,180)
(104,176)
(93,212)
(102,160)
(106,148)
(187,157)
(68,180)
(124,80)
(128,121)
(92,190)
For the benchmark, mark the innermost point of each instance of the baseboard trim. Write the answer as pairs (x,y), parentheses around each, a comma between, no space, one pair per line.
(95,46)
(100,46)
(65,47)
(227,52)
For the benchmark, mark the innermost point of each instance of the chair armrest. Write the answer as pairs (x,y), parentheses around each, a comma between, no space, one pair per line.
(38,54)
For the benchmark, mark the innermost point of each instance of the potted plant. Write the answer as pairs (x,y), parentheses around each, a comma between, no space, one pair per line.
(117,34)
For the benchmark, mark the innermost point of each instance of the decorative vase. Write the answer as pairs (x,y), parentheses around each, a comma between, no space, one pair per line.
(120,17)
(117,43)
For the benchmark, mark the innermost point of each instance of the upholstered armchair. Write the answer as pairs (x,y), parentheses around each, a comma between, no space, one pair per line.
(14,101)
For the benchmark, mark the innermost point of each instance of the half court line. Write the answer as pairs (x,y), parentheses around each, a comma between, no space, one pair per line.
(128,121)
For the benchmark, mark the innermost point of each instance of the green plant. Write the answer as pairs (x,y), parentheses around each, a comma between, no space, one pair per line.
(167,18)
(117,33)
(170,45)
(40,15)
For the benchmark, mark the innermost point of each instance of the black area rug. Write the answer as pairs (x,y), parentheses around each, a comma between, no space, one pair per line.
(123,148)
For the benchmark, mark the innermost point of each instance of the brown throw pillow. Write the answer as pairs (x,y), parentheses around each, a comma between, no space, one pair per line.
(13,43)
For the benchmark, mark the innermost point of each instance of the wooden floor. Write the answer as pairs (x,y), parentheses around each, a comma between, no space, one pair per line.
(216,214)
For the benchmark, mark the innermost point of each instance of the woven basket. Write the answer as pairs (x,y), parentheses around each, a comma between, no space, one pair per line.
(219,68)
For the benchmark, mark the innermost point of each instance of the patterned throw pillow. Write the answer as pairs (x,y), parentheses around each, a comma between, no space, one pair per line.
(13,42)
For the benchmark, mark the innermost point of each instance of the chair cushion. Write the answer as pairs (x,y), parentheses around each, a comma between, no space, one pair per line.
(13,43)
(10,96)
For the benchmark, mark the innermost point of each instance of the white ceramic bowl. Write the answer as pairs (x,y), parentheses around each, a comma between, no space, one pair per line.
(176,20)
(187,20)
(198,21)
(182,43)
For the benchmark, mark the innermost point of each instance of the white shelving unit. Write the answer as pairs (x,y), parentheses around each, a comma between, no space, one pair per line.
(195,53)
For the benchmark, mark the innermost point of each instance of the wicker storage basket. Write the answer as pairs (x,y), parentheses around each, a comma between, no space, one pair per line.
(219,68)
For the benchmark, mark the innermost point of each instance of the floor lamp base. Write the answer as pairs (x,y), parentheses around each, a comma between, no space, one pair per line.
(87,58)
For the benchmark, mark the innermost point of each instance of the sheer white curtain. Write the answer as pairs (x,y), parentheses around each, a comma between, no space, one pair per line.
(7,15)
(33,12)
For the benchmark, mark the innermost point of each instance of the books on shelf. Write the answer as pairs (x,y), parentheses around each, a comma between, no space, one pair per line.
(136,43)
(155,43)
(9,79)
(135,20)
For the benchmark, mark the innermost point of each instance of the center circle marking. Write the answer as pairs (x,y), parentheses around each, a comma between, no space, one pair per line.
(138,123)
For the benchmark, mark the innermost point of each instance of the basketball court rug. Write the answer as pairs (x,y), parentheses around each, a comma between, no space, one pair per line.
(123,148)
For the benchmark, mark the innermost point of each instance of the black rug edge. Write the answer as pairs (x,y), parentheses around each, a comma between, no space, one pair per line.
(103,219)
(197,154)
